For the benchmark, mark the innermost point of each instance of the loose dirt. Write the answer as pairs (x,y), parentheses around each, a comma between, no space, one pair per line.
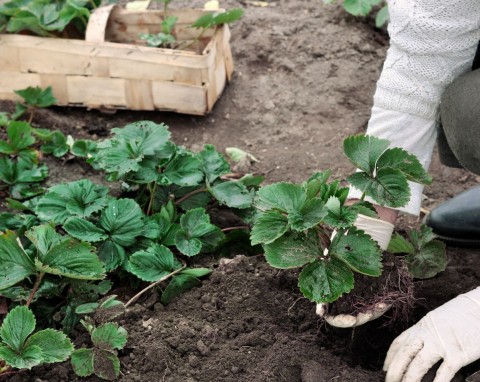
(305,76)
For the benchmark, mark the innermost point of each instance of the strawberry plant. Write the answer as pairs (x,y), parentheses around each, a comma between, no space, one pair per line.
(309,225)
(102,359)
(19,162)
(21,349)
(209,20)
(364,7)
(33,98)
(425,256)
(45,18)
(145,234)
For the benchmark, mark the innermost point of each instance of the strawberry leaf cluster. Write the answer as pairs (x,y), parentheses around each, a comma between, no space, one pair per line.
(310,225)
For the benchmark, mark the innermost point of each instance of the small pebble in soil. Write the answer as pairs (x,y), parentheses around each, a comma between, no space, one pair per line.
(202,348)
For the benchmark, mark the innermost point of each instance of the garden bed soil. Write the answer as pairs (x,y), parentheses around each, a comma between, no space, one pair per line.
(305,76)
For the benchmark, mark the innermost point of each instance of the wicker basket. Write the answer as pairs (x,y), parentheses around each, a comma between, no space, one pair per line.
(111,70)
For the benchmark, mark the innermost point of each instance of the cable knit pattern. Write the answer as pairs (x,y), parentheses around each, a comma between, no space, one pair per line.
(432,43)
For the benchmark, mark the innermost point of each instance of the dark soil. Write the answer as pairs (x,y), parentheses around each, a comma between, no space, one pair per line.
(305,76)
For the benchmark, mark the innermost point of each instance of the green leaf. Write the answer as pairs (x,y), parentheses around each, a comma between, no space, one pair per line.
(196,223)
(428,261)
(84,148)
(112,255)
(29,357)
(408,164)
(339,216)
(189,246)
(286,197)
(179,284)
(43,237)
(311,214)
(125,152)
(37,96)
(293,251)
(382,17)
(19,138)
(153,264)
(15,264)
(325,281)
(268,227)
(233,194)
(122,219)
(365,208)
(196,272)
(205,21)
(81,198)
(106,364)
(21,171)
(86,308)
(364,150)
(157,40)
(16,327)
(314,184)
(84,230)
(168,24)
(358,250)
(389,187)
(156,226)
(398,244)
(183,170)
(212,240)
(55,346)
(73,259)
(214,164)
(82,362)
(109,336)
(228,16)
(359,7)
(250,180)
(238,155)
(56,144)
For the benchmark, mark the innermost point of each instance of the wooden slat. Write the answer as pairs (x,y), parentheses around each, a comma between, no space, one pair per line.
(139,95)
(8,57)
(10,81)
(59,86)
(179,97)
(96,92)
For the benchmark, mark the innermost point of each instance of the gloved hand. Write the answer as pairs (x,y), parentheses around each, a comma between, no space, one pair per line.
(450,332)
(381,231)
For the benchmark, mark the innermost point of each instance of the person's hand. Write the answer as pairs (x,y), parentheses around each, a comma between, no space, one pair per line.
(450,332)
(381,232)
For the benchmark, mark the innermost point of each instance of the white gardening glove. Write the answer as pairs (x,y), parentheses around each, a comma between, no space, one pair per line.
(381,231)
(450,332)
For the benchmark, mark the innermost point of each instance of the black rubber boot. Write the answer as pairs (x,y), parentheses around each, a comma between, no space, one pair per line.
(457,221)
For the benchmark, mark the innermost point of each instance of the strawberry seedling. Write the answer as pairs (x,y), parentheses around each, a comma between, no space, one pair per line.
(21,349)
(102,359)
(309,225)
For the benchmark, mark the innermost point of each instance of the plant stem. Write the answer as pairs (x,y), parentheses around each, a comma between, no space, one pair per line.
(194,192)
(30,119)
(235,228)
(139,294)
(35,288)
(94,6)
(165,10)
(196,39)
(152,197)
(362,197)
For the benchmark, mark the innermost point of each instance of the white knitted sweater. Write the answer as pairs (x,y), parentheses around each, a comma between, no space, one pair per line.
(431,43)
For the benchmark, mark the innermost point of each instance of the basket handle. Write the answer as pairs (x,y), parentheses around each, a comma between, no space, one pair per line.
(97,23)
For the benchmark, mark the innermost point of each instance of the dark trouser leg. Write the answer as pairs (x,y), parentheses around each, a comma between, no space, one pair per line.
(458,220)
